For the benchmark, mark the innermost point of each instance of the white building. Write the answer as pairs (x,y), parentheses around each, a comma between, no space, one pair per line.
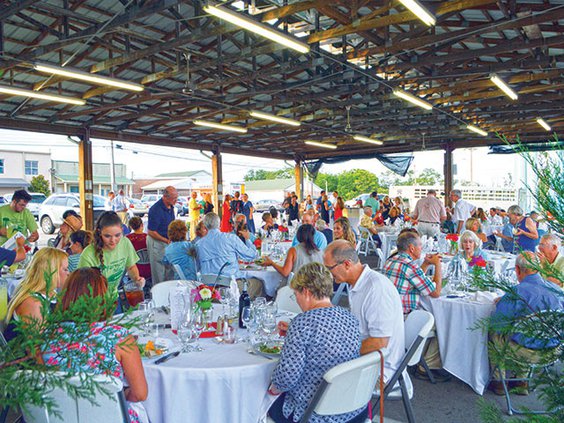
(276,189)
(18,167)
(65,177)
(184,182)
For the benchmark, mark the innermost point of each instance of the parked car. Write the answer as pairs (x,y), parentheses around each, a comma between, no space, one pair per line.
(149,199)
(265,205)
(362,198)
(33,206)
(137,208)
(52,209)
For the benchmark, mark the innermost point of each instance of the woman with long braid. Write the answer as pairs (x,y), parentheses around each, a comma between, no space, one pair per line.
(111,252)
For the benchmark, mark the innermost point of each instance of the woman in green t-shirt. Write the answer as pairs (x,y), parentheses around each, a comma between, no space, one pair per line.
(111,252)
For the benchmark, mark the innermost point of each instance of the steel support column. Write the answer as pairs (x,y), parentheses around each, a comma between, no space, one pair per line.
(85,186)
(217,181)
(448,173)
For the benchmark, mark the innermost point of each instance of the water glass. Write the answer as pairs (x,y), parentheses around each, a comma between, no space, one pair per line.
(229,333)
(199,324)
(185,335)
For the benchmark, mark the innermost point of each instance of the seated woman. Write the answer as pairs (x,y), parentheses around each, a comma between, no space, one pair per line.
(106,342)
(473,224)
(180,252)
(79,240)
(47,261)
(72,222)
(138,239)
(314,344)
(342,230)
(470,246)
(303,253)
(269,224)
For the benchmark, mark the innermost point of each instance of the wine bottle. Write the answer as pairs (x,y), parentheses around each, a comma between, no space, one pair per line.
(244,301)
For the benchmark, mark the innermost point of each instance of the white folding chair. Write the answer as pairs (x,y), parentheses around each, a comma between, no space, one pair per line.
(219,280)
(343,289)
(346,387)
(179,273)
(286,300)
(418,325)
(110,408)
(381,259)
(160,292)
(367,244)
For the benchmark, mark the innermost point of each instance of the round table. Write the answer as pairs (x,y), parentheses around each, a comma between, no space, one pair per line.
(271,278)
(223,383)
(464,349)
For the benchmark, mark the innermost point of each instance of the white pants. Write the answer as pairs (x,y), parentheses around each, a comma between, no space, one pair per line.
(429,229)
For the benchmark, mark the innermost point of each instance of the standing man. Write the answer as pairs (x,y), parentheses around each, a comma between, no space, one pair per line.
(15,217)
(119,205)
(319,201)
(333,203)
(462,210)
(373,202)
(160,215)
(194,209)
(429,213)
(374,301)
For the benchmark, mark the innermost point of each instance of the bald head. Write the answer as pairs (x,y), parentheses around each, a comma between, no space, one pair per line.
(341,250)
(170,195)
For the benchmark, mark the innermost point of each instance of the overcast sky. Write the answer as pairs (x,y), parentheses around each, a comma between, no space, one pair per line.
(148,161)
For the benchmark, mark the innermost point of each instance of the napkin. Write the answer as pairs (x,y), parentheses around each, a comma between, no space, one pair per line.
(484,297)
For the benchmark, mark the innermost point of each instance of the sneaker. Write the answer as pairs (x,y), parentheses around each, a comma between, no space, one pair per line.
(496,387)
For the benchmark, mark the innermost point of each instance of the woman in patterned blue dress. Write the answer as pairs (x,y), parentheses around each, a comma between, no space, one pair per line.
(317,340)
(104,349)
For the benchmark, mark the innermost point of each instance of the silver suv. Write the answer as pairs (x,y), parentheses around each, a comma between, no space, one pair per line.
(52,209)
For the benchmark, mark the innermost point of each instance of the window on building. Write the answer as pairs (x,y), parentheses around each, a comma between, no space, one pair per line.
(31,167)
(1,165)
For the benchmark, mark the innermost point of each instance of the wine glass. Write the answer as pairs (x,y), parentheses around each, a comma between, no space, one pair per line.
(225,296)
(185,334)
(198,323)
(146,311)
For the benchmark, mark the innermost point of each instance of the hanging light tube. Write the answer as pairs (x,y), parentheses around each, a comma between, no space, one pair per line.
(543,123)
(256,27)
(274,118)
(413,99)
(42,96)
(321,144)
(418,10)
(368,140)
(504,87)
(88,77)
(477,130)
(220,126)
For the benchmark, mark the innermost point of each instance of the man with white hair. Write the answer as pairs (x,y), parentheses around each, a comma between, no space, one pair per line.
(462,210)
(220,252)
(319,239)
(549,251)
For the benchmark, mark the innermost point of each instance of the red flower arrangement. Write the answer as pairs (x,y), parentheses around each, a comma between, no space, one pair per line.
(258,243)
(477,261)
(452,237)
(204,295)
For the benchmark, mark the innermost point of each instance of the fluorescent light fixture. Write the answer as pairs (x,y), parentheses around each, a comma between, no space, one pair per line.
(258,28)
(504,87)
(321,144)
(543,123)
(418,10)
(368,140)
(88,77)
(413,99)
(36,94)
(274,118)
(477,130)
(220,126)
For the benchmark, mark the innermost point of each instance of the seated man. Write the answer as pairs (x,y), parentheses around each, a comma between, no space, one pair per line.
(411,282)
(201,231)
(531,295)
(219,251)
(319,238)
(322,227)
(367,221)
(549,247)
(239,219)
(374,301)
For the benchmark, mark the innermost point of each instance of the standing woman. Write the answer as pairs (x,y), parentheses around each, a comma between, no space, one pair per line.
(208,205)
(226,225)
(325,207)
(111,252)
(386,207)
(339,207)
(248,211)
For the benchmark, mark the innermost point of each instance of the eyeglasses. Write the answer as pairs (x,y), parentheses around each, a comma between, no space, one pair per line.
(335,265)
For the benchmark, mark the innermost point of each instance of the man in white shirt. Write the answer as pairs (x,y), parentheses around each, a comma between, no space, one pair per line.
(374,301)
(462,211)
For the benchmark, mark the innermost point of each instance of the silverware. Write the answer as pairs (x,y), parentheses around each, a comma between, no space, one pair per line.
(251,351)
(167,357)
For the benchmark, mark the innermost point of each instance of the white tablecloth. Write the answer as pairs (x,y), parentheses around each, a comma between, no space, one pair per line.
(272,279)
(463,349)
(501,261)
(389,240)
(223,383)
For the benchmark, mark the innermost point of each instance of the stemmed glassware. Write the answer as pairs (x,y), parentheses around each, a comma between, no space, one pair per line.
(146,311)
(199,323)
(225,296)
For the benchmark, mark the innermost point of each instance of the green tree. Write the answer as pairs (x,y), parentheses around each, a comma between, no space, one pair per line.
(429,176)
(39,184)
(355,182)
(261,174)
(331,180)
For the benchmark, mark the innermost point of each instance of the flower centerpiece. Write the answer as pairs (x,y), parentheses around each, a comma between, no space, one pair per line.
(477,262)
(258,245)
(453,238)
(203,296)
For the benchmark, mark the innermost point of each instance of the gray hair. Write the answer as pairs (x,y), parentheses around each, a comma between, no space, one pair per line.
(320,225)
(515,209)
(552,239)
(406,239)
(314,277)
(365,209)
(456,192)
(342,250)
(525,261)
(238,217)
(473,237)
(211,220)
